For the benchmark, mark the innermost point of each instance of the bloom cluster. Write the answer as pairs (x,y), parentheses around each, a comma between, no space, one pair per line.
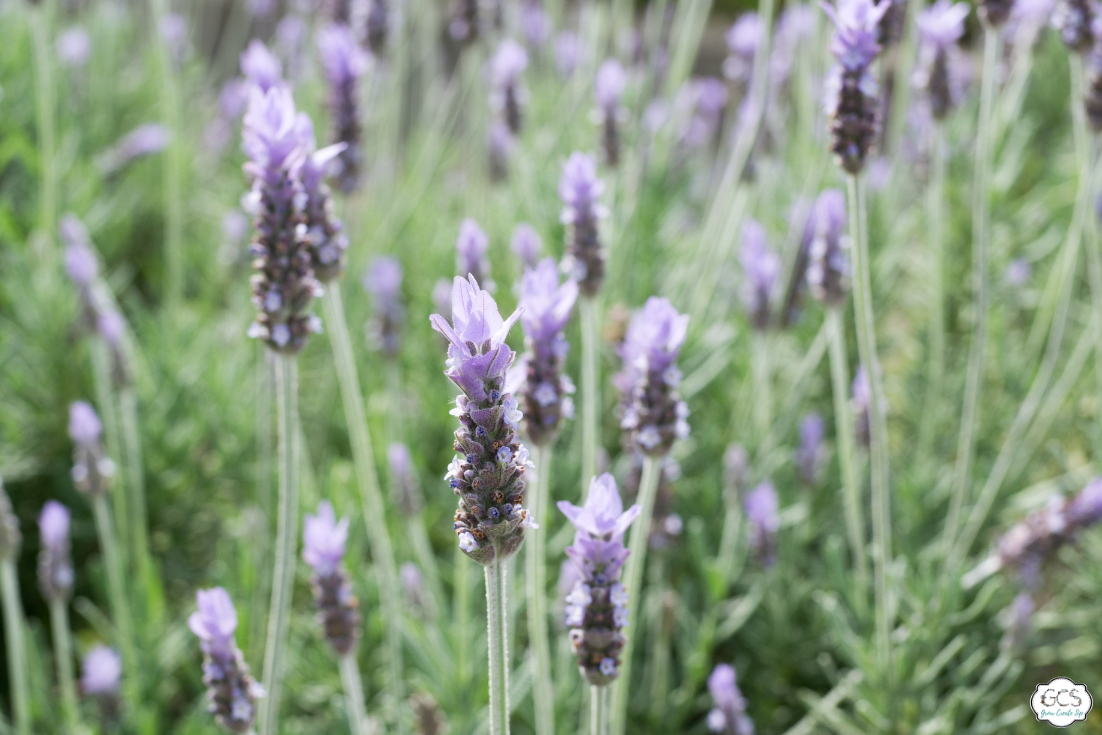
(544,388)
(488,474)
(378,25)
(526,244)
(940,27)
(1073,19)
(55,564)
(608,88)
(852,88)
(231,690)
(344,63)
(324,538)
(596,611)
(92,469)
(810,454)
(729,715)
(383,280)
(826,244)
(762,267)
(655,415)
(509,95)
(471,248)
(761,511)
(580,191)
(324,233)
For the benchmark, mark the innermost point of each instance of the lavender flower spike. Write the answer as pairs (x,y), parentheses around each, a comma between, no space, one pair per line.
(761,512)
(378,25)
(383,280)
(508,96)
(92,470)
(1073,19)
(827,243)
(596,610)
(55,565)
(852,88)
(655,415)
(809,455)
(580,191)
(344,62)
(940,27)
(607,90)
(488,474)
(546,389)
(729,715)
(471,248)
(324,539)
(761,266)
(742,39)
(526,244)
(861,402)
(231,690)
(324,232)
(100,672)
(260,66)
(284,283)
(499,145)
(73,47)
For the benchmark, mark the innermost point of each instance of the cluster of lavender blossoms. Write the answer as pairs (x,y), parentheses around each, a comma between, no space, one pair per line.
(1074,20)
(654,414)
(472,247)
(543,387)
(100,673)
(809,456)
(80,265)
(852,89)
(284,283)
(580,191)
(940,27)
(55,564)
(231,691)
(324,538)
(729,714)
(761,512)
(608,89)
(826,244)
(344,62)
(742,38)
(597,606)
(762,267)
(92,469)
(383,280)
(377,25)
(324,233)
(488,473)
(261,67)
(508,95)
(526,244)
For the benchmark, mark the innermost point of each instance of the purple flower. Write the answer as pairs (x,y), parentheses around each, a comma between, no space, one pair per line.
(1018,272)
(92,471)
(231,690)
(55,566)
(174,34)
(743,39)
(73,47)
(795,26)
(826,244)
(856,22)
(259,8)
(761,512)
(324,539)
(535,23)
(324,236)
(1073,19)
(80,261)
(488,475)
(344,62)
(580,191)
(811,447)
(546,304)
(761,267)
(729,714)
(609,85)
(568,53)
(596,609)
(413,584)
(942,24)
(383,280)
(100,672)
(940,27)
(526,244)
(471,248)
(84,425)
(509,96)
(1020,618)
(143,141)
(260,66)
(442,297)
(378,25)
(860,403)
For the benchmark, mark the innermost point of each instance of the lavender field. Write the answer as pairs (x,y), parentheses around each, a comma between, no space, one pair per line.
(490,366)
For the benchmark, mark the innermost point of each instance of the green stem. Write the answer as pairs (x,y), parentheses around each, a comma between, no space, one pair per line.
(598,710)
(878,430)
(847,456)
(981,226)
(536,579)
(14,637)
(371,498)
(120,606)
(353,694)
(498,647)
(591,397)
(763,394)
(640,533)
(45,117)
(172,173)
(935,216)
(63,656)
(279,613)
(107,403)
(135,480)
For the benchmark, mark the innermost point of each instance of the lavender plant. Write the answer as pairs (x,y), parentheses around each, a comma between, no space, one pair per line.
(509,95)
(55,580)
(608,88)
(232,693)
(14,624)
(345,63)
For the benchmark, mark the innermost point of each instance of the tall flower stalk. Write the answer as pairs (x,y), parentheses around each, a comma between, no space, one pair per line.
(14,624)
(488,472)
(45,120)
(344,62)
(654,418)
(55,580)
(597,606)
(173,161)
(545,400)
(854,124)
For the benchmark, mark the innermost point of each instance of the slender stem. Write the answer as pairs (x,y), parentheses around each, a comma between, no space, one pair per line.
(120,605)
(265,387)
(107,403)
(598,710)
(45,117)
(279,613)
(847,456)
(462,614)
(172,173)
(498,644)
(14,638)
(353,694)
(135,480)
(935,216)
(63,656)
(981,226)
(371,498)
(878,430)
(536,573)
(763,393)
(591,397)
(640,533)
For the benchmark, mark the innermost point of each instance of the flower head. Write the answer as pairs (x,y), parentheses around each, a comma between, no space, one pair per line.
(471,248)
(214,623)
(826,244)
(53,524)
(546,304)
(609,85)
(323,539)
(761,511)
(260,66)
(568,53)
(55,566)
(855,37)
(100,672)
(654,336)
(272,134)
(80,262)
(342,57)
(526,244)
(603,515)
(729,715)
(73,47)
(508,63)
(579,188)
(84,425)
(811,440)
(942,24)
(383,278)
(535,23)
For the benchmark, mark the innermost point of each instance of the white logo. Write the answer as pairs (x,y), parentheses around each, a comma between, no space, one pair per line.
(1061,702)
